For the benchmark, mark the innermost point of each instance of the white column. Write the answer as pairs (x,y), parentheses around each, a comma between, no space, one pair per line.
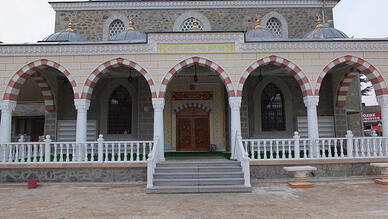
(383,101)
(7,107)
(311,102)
(158,104)
(82,106)
(235,121)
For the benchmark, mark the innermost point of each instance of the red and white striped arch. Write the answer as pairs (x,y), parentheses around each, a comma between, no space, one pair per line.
(45,89)
(293,69)
(364,67)
(13,88)
(344,88)
(109,65)
(202,62)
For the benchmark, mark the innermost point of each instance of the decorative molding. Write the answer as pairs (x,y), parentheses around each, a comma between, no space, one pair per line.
(193,95)
(115,48)
(136,5)
(192,104)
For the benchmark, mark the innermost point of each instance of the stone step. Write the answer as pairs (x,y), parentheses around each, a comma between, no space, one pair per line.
(198,182)
(183,175)
(199,189)
(198,164)
(222,169)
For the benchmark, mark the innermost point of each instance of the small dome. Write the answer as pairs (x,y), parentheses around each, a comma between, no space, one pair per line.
(65,36)
(130,35)
(259,33)
(322,32)
(325,33)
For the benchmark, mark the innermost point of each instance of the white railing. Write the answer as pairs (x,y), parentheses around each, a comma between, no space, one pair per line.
(69,152)
(322,148)
(153,159)
(241,155)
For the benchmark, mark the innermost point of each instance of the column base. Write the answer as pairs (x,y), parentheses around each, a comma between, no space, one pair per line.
(299,185)
(381,181)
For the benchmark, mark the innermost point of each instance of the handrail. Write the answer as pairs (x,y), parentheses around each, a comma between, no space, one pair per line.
(242,156)
(153,159)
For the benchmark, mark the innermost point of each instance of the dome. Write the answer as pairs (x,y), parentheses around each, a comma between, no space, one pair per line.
(130,35)
(322,32)
(65,36)
(260,34)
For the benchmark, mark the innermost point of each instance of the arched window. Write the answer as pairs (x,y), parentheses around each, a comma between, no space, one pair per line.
(272,109)
(117,26)
(188,24)
(120,112)
(274,25)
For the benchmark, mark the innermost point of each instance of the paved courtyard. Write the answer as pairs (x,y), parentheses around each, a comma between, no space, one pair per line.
(344,198)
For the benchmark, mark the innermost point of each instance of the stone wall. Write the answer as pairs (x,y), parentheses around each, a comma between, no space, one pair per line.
(91,23)
(146,111)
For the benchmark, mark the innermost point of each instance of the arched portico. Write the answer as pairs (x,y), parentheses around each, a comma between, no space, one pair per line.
(358,65)
(33,70)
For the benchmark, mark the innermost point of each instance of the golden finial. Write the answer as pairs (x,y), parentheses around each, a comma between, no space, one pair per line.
(130,27)
(258,26)
(195,25)
(69,27)
(319,25)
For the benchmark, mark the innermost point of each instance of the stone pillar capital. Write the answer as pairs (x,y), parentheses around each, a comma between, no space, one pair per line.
(382,100)
(235,103)
(82,104)
(7,105)
(311,101)
(158,103)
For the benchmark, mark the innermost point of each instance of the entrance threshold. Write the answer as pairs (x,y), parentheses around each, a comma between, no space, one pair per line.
(196,155)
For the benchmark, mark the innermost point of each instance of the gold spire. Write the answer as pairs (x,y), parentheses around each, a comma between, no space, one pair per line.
(130,27)
(195,24)
(319,25)
(258,26)
(69,27)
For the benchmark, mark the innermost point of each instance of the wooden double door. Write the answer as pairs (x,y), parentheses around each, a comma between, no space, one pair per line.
(192,128)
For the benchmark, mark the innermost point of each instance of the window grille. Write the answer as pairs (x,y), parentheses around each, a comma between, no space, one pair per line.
(274,25)
(272,109)
(188,24)
(117,26)
(120,112)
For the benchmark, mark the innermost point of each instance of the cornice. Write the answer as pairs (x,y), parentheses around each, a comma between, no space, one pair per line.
(122,5)
(102,48)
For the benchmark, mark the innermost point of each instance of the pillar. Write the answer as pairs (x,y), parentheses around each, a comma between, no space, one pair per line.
(383,102)
(158,104)
(82,106)
(311,102)
(7,107)
(235,121)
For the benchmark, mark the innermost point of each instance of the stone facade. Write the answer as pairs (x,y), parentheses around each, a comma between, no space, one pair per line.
(91,23)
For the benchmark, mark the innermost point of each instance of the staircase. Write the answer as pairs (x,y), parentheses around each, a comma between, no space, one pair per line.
(198,176)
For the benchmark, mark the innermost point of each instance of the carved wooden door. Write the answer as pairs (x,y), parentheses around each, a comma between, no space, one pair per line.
(192,130)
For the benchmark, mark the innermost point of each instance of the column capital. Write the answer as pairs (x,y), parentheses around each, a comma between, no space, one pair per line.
(7,105)
(311,101)
(235,103)
(82,104)
(382,100)
(158,103)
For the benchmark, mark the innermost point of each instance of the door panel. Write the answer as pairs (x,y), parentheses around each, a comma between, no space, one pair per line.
(192,130)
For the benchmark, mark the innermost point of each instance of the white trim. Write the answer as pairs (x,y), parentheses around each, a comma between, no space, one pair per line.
(280,18)
(202,18)
(113,17)
(100,48)
(121,5)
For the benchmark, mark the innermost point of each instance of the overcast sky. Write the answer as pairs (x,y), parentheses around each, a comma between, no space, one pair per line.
(32,20)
